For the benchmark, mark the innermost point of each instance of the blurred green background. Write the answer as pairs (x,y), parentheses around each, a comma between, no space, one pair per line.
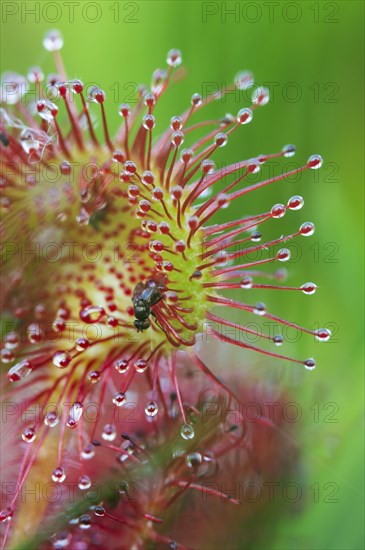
(311,56)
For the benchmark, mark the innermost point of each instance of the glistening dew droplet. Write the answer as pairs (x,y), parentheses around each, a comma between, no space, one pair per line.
(51,419)
(310,364)
(151,408)
(253,166)
(20,370)
(29,435)
(278,340)
(53,41)
(194,459)
(140,365)
(121,365)
(84,483)
(109,432)
(47,110)
(119,399)
(29,141)
(283,255)
(196,100)
(6,514)
(187,431)
(278,211)
(96,95)
(260,308)
(61,540)
(295,203)
(82,344)
(256,236)
(260,96)
(244,116)
(92,314)
(307,229)
(288,150)
(12,340)
(12,88)
(85,521)
(6,356)
(309,288)
(88,452)
(315,162)
(61,359)
(246,282)
(244,80)
(75,415)
(174,58)
(99,511)
(323,334)
(59,474)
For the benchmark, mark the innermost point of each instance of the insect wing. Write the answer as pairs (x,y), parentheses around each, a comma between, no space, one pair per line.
(155,296)
(138,291)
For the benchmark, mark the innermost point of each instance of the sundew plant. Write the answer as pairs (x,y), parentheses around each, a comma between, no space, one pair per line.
(116,273)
